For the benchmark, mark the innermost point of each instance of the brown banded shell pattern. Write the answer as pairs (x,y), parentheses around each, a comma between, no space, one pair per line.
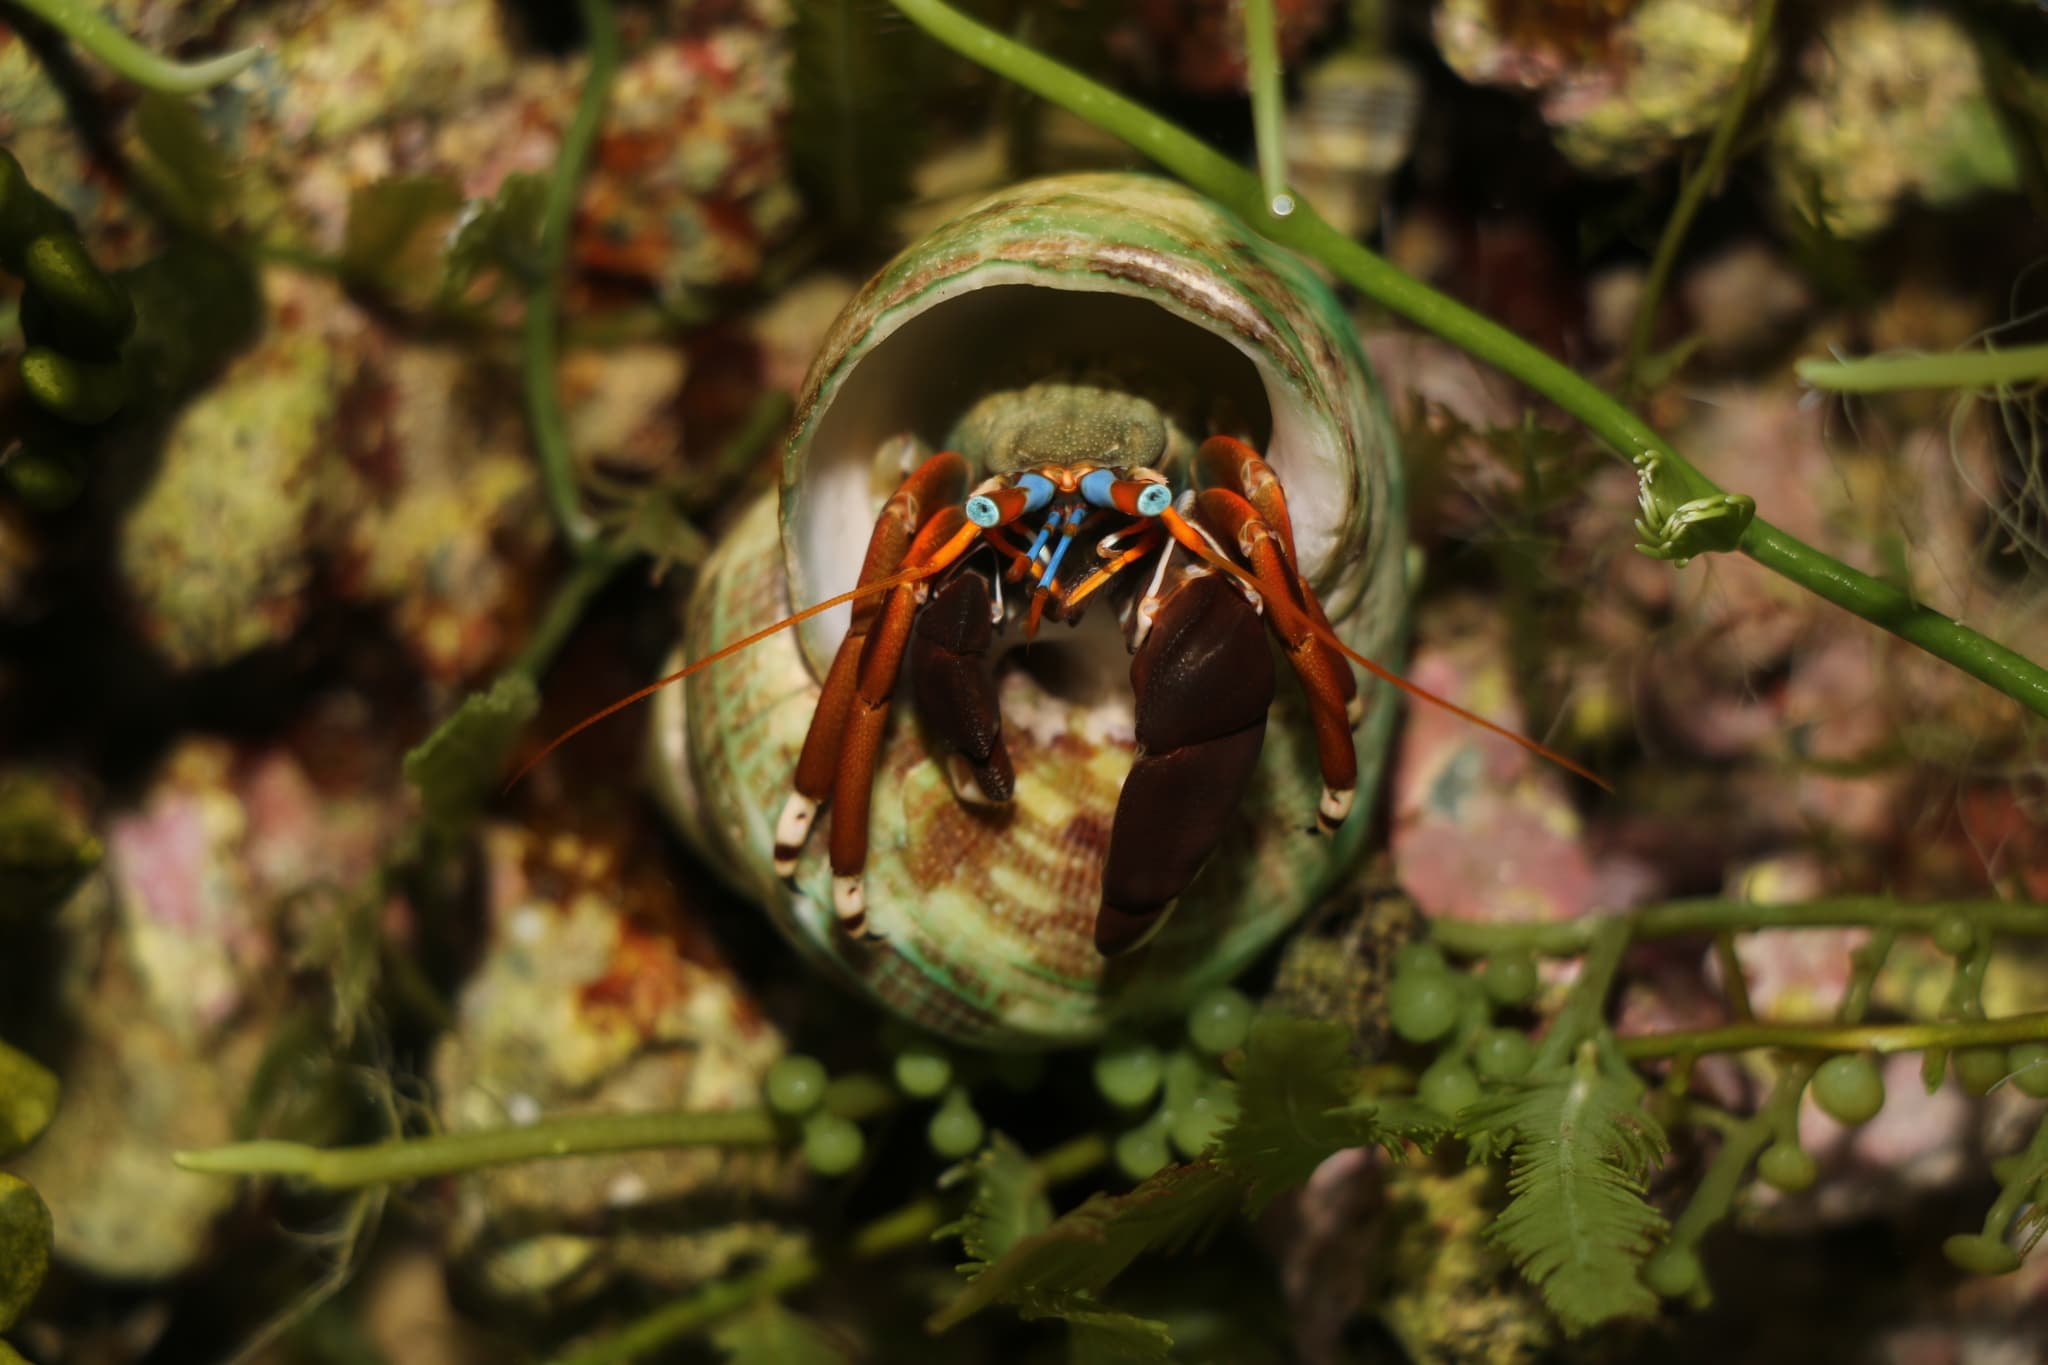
(985,916)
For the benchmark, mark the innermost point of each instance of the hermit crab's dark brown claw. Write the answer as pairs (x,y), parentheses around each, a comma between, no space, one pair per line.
(1202,682)
(1324,675)
(956,695)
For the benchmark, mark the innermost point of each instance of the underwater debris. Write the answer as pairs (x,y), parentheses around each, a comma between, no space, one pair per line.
(1621,86)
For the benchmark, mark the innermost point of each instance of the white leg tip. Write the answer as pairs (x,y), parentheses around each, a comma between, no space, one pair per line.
(1354,710)
(1334,808)
(791,829)
(850,903)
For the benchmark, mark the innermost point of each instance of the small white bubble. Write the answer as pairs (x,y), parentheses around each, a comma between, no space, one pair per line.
(1282,205)
(522,1109)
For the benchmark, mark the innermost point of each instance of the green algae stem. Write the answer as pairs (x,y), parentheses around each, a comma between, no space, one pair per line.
(1986,369)
(84,26)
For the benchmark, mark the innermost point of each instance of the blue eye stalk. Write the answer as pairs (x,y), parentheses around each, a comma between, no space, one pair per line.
(1103,488)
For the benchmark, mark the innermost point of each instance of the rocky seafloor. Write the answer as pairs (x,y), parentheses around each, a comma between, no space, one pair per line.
(319,517)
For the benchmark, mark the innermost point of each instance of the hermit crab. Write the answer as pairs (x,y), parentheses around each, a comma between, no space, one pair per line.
(1071,473)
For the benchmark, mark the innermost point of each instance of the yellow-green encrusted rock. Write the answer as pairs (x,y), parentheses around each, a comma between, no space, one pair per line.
(24,1246)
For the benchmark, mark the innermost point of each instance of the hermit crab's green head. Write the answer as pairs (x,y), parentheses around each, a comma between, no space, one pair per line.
(1103,325)
(1056,424)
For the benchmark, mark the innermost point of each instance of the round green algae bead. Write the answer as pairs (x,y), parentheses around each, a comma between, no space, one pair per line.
(1849,1089)
(1202,1120)
(832,1145)
(1128,1073)
(1141,1152)
(1423,1006)
(955,1130)
(1978,1069)
(923,1071)
(1419,955)
(1672,1272)
(1220,1020)
(1448,1086)
(1787,1166)
(2028,1063)
(795,1085)
(1954,934)
(1503,1054)
(1509,978)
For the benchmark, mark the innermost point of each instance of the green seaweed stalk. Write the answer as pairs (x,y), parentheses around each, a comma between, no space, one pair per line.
(1680,919)
(1989,368)
(1947,1034)
(1216,175)
(1704,179)
(86,27)
(403,1159)
(1269,134)
(544,305)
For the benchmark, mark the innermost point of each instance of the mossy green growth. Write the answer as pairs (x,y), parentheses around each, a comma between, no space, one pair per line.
(28,1098)
(45,849)
(1453,1295)
(25,1234)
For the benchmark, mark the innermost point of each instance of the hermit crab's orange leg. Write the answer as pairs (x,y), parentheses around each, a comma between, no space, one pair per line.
(935,484)
(1323,674)
(1229,463)
(940,541)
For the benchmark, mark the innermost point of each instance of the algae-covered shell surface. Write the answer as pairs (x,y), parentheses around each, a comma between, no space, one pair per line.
(981,921)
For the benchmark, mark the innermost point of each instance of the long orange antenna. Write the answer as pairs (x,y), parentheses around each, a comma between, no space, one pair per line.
(1199,545)
(895,580)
